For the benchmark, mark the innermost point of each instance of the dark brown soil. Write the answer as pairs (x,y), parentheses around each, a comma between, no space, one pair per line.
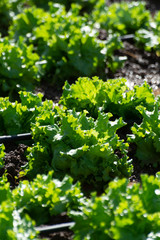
(14,161)
(58,235)
(140,66)
(137,168)
(61,235)
(49,92)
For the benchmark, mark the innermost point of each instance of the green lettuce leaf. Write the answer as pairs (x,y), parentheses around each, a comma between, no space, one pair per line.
(87,149)
(45,197)
(123,17)
(17,117)
(122,212)
(146,136)
(112,96)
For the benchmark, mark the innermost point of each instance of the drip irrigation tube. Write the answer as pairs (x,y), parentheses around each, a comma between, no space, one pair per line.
(18,137)
(127,37)
(55,227)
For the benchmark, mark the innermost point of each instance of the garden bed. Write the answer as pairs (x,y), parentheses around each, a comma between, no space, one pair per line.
(140,66)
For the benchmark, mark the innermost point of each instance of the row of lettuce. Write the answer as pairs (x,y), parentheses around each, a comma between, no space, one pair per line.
(84,141)
(88,134)
(59,40)
(122,212)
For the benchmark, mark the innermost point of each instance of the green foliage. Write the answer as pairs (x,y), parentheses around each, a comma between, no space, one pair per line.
(114,62)
(6,209)
(4,188)
(123,212)
(4,16)
(33,203)
(149,38)
(87,149)
(66,43)
(86,5)
(61,44)
(39,158)
(45,197)
(55,42)
(157,19)
(81,139)
(69,48)
(22,228)
(18,69)
(2,154)
(147,136)
(16,118)
(6,221)
(13,227)
(112,96)
(124,17)
(25,22)
(8,10)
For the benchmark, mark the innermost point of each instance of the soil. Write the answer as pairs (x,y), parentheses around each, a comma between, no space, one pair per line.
(58,235)
(140,66)
(14,160)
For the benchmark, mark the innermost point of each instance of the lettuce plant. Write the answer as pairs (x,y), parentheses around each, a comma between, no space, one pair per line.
(87,149)
(62,40)
(18,69)
(66,43)
(112,96)
(34,203)
(8,10)
(17,117)
(146,136)
(5,16)
(123,212)
(2,154)
(86,5)
(13,226)
(149,38)
(25,22)
(45,197)
(124,17)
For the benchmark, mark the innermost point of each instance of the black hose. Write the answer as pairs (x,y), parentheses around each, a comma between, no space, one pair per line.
(13,138)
